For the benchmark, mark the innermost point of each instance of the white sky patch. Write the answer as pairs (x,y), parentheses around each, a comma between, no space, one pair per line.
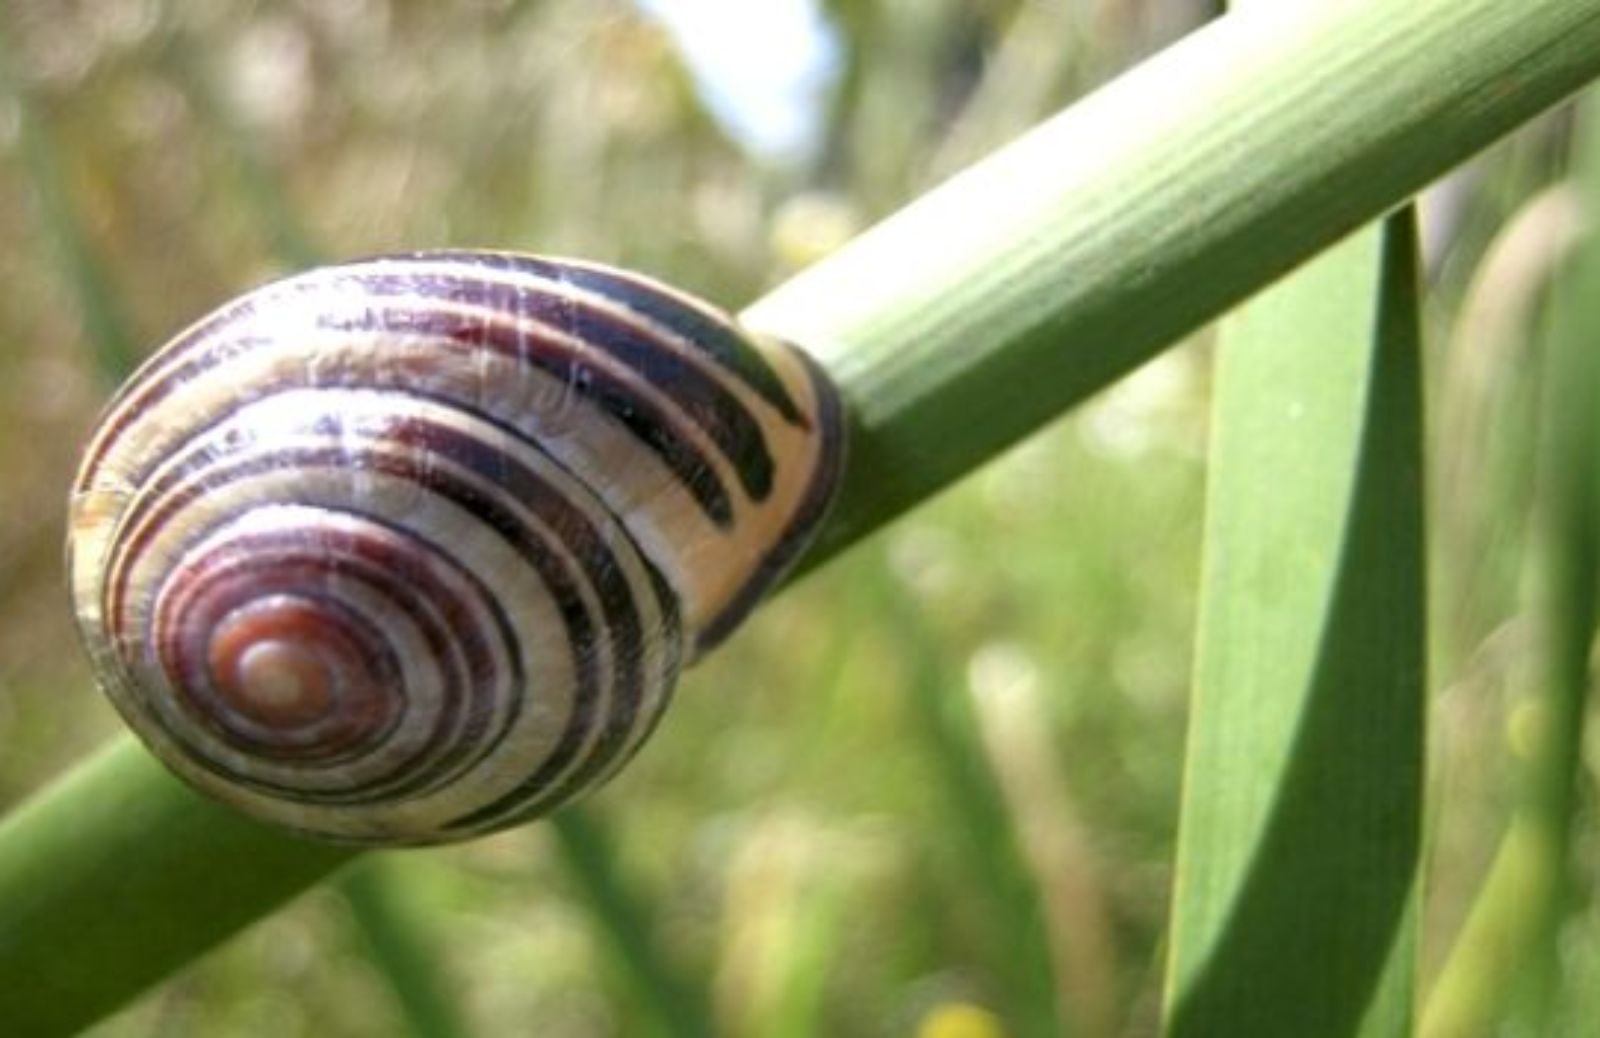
(763,67)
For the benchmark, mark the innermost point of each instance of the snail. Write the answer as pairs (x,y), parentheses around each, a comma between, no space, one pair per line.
(411,549)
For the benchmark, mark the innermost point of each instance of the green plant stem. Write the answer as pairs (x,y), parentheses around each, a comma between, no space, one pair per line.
(104,324)
(257,181)
(1062,261)
(1571,530)
(401,947)
(1508,952)
(121,874)
(941,724)
(953,329)
(674,1007)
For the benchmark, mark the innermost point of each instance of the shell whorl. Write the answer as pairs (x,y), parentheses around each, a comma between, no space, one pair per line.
(412,548)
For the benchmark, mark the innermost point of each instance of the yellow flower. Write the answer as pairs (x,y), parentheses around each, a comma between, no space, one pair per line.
(960,1020)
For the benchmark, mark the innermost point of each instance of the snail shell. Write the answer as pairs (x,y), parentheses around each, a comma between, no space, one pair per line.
(413,548)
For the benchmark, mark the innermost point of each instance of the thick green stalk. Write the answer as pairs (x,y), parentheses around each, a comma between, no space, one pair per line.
(1043,273)
(119,875)
(953,329)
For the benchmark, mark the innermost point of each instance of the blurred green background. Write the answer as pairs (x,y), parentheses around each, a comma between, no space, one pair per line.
(933,788)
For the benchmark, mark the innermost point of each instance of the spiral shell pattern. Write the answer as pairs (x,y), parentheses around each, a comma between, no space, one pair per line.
(413,548)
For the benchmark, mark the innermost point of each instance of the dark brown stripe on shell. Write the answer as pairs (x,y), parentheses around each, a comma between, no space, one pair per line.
(167,499)
(807,517)
(710,333)
(716,411)
(524,485)
(530,799)
(462,737)
(704,402)
(649,424)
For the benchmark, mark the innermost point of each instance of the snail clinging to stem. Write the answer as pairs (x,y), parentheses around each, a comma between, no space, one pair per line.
(413,548)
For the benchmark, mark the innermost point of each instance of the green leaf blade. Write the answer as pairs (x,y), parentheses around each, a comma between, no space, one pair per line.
(1301,825)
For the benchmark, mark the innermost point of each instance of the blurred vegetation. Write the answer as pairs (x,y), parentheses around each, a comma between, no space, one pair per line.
(947,802)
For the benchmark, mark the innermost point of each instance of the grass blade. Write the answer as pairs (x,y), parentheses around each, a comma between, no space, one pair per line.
(673,1006)
(104,323)
(943,721)
(1505,962)
(1302,807)
(399,945)
(1571,531)
(257,182)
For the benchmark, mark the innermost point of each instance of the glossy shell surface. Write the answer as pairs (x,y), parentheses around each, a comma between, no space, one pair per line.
(413,548)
